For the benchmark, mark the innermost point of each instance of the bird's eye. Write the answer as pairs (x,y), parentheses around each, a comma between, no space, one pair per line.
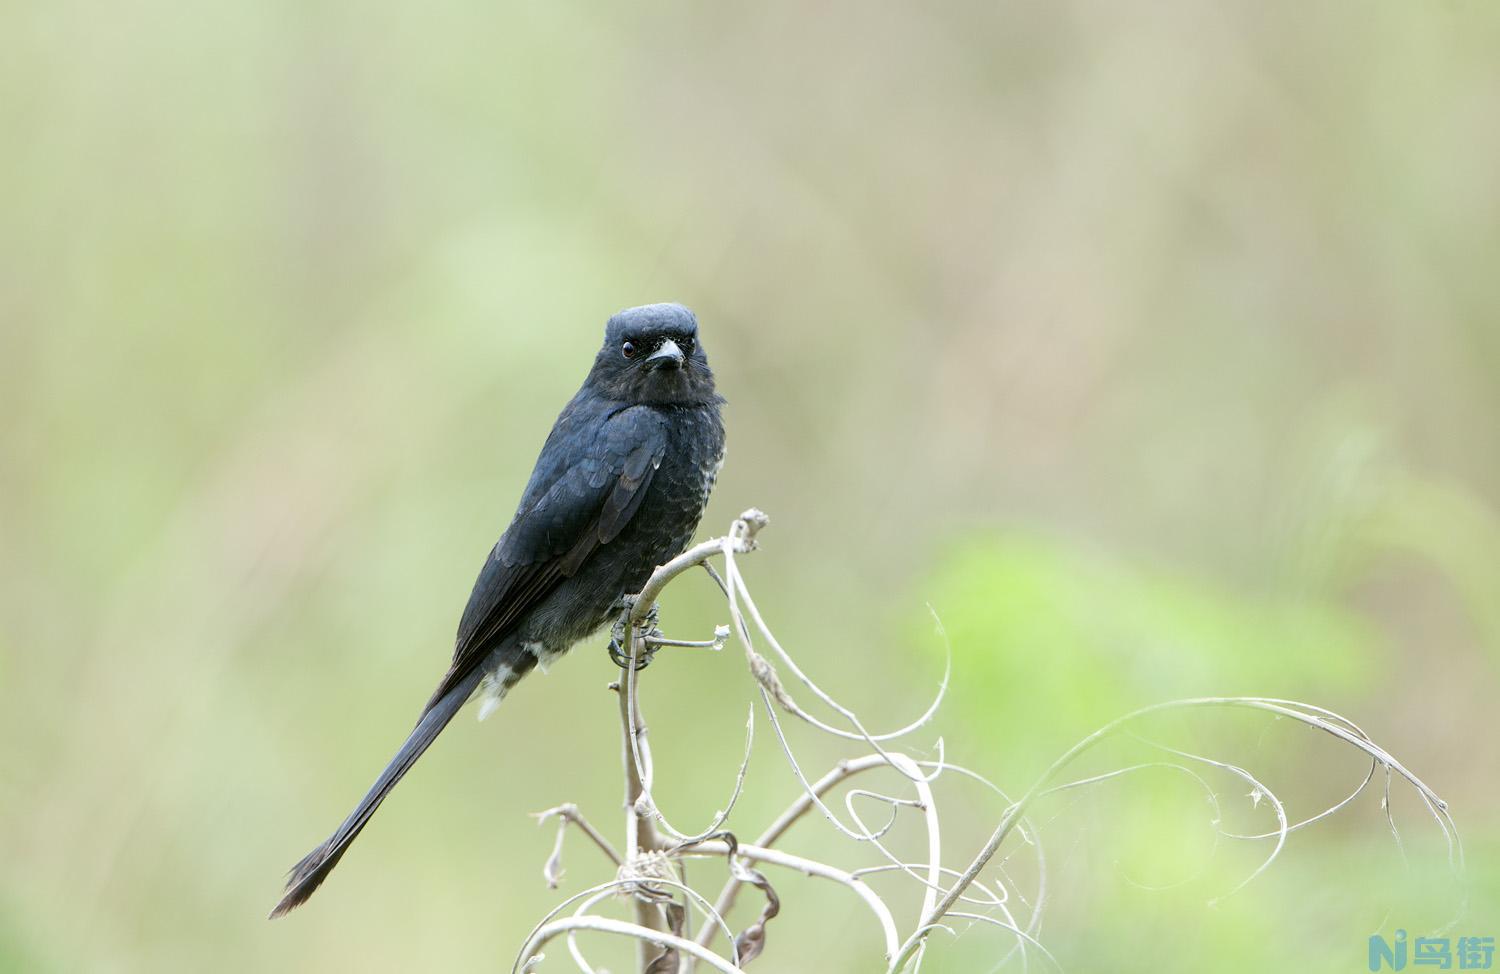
(686,344)
(628,349)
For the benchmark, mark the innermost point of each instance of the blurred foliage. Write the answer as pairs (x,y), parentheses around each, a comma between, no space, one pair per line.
(1154,346)
(1115,639)
(1457,534)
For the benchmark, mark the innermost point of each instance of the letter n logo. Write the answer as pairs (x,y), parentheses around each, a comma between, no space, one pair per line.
(1393,954)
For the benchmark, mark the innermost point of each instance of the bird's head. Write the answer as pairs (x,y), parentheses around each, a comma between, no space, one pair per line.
(651,354)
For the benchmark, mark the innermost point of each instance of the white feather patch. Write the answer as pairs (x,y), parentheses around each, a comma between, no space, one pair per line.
(543,658)
(492,690)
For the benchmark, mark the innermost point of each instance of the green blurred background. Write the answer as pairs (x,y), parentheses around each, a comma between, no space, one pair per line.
(1156,347)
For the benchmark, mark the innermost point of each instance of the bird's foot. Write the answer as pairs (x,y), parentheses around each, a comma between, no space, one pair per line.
(622,658)
(646,632)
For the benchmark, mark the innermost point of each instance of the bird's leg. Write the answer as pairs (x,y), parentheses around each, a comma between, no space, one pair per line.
(651,636)
(647,633)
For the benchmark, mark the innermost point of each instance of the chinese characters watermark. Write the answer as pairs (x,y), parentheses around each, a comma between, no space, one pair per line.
(1442,953)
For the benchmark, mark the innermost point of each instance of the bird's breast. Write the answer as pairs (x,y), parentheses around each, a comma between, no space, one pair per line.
(661,528)
(680,488)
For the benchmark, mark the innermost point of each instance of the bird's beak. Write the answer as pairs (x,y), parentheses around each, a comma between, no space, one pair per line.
(668,356)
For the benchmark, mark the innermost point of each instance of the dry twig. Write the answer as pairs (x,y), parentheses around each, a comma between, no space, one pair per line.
(650,867)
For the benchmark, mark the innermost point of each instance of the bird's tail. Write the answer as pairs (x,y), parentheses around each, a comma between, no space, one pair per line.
(309,874)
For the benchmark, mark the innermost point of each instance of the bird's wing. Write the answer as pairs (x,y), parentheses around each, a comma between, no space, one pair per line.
(574,507)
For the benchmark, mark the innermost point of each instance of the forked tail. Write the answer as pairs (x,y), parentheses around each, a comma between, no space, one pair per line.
(309,874)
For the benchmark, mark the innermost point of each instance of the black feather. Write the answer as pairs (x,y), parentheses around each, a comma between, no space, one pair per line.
(309,874)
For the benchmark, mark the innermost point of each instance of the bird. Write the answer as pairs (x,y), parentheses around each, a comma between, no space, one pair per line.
(618,489)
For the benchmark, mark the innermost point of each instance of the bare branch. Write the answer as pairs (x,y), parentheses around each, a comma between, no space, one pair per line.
(1315,717)
(640,831)
(721,633)
(565,814)
(738,591)
(799,808)
(1257,789)
(811,867)
(607,890)
(640,835)
(741,539)
(531,950)
(649,869)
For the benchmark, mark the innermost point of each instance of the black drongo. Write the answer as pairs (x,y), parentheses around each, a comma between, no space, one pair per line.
(618,489)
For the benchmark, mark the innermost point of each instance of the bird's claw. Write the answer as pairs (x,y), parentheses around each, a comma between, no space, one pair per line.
(622,658)
(646,628)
